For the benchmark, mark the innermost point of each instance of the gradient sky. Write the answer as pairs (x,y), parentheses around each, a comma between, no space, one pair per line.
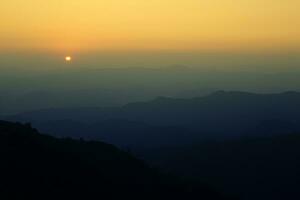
(72,26)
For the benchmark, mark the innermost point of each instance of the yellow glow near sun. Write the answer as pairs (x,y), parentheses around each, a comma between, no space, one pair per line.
(85,25)
(68,58)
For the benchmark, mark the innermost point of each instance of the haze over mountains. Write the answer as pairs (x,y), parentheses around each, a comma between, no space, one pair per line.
(24,89)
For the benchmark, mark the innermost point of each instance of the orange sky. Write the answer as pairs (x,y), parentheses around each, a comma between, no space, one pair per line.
(84,25)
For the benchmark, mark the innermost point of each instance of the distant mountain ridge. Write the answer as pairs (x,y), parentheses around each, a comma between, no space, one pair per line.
(219,115)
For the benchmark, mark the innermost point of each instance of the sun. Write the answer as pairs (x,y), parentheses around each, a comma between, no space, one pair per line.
(68,58)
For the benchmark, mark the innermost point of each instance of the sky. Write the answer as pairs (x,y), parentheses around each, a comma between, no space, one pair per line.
(81,26)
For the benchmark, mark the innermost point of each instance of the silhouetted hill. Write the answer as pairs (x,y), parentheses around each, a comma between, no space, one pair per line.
(255,168)
(36,166)
(221,115)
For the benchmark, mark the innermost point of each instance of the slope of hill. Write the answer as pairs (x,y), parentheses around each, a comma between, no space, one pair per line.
(37,166)
(255,168)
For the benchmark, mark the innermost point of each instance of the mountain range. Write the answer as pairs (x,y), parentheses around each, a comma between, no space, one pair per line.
(169,121)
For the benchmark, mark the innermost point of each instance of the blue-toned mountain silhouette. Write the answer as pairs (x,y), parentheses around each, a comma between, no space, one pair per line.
(168,121)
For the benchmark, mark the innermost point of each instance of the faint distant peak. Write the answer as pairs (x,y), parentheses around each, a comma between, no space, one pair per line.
(231,93)
(162,98)
(291,93)
(169,99)
(223,93)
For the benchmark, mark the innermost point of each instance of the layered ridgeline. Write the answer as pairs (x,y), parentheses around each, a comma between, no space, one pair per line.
(168,121)
(37,166)
(80,86)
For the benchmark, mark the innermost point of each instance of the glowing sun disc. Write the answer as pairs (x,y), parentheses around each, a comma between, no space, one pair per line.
(68,58)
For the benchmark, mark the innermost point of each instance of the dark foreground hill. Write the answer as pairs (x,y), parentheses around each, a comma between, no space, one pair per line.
(253,168)
(36,166)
